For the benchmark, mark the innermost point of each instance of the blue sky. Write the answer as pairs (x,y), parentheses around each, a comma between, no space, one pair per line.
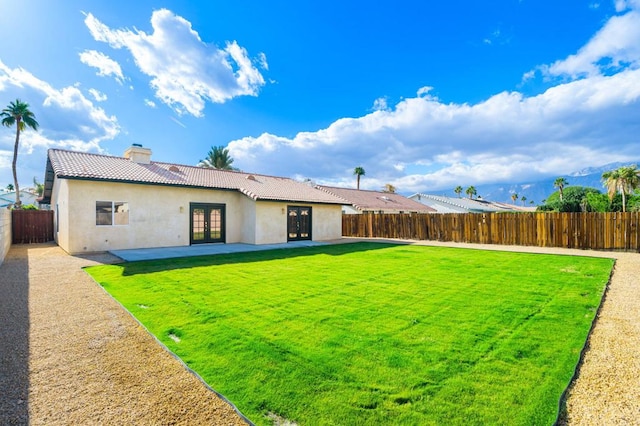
(423,95)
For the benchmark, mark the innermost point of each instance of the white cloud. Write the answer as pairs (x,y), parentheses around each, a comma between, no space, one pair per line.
(185,71)
(616,46)
(262,61)
(380,104)
(178,122)
(149,103)
(67,119)
(622,5)
(424,91)
(105,65)
(423,144)
(97,95)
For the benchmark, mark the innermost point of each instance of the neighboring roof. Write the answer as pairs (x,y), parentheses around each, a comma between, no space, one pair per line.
(79,165)
(464,205)
(364,200)
(9,198)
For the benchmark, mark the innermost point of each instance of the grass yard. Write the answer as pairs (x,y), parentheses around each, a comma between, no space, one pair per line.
(371,333)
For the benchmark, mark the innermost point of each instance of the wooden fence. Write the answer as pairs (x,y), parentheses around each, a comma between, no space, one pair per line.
(32,226)
(597,231)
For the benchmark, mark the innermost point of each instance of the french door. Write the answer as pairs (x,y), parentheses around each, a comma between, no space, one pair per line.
(298,223)
(207,223)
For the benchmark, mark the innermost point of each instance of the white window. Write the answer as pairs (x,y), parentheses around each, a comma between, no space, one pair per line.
(109,213)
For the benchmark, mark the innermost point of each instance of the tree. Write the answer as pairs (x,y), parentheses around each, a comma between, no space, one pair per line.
(514,197)
(458,190)
(523,199)
(598,202)
(389,188)
(18,113)
(471,192)
(574,200)
(10,187)
(623,180)
(358,171)
(560,183)
(39,187)
(218,158)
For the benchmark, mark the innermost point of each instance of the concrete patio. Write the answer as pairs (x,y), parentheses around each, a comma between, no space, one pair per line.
(208,249)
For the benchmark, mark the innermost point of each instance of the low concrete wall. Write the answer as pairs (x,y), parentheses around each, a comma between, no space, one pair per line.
(5,233)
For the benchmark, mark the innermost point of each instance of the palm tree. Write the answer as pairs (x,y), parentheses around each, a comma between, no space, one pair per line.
(623,180)
(218,158)
(389,188)
(10,187)
(514,197)
(523,199)
(358,171)
(471,191)
(458,190)
(39,187)
(18,113)
(560,183)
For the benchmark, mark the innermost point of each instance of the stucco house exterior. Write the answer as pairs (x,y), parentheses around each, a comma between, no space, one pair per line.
(104,203)
(360,201)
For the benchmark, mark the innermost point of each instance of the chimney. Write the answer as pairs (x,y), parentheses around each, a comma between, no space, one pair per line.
(137,153)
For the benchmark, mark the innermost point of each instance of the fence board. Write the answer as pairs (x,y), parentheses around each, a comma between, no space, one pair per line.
(595,231)
(32,226)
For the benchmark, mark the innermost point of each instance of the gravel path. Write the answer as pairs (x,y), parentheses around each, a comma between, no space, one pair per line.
(72,355)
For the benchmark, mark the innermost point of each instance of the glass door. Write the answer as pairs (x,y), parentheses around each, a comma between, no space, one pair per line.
(298,223)
(207,223)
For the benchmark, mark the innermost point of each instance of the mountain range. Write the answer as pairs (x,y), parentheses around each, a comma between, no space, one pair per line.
(540,190)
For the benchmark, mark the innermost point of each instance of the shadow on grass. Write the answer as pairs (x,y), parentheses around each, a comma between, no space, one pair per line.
(150,266)
(14,337)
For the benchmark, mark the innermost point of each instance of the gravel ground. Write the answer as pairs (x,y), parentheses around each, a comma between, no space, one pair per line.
(71,355)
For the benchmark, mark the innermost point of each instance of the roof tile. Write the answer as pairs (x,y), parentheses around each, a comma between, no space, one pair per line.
(80,165)
(364,200)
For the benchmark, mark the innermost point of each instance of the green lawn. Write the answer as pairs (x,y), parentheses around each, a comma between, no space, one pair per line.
(371,333)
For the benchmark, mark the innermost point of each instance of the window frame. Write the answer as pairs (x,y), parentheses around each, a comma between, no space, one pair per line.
(113,218)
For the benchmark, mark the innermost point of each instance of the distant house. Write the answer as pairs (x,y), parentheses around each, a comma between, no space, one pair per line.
(8,199)
(361,201)
(442,204)
(103,202)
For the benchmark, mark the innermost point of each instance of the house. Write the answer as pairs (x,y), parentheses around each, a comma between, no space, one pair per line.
(442,204)
(362,201)
(103,203)
(8,199)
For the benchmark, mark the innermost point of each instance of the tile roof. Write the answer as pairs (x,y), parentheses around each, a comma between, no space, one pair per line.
(79,165)
(461,205)
(364,200)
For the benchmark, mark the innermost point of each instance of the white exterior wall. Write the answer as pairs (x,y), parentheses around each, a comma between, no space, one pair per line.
(5,233)
(271,227)
(271,222)
(60,207)
(326,222)
(248,212)
(159,216)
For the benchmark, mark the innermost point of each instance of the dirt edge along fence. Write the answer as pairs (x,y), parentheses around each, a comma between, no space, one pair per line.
(32,226)
(595,231)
